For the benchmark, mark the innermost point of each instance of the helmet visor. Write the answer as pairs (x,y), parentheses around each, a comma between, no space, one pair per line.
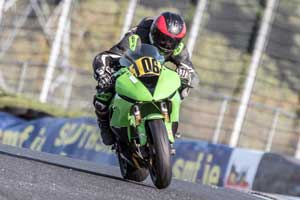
(165,42)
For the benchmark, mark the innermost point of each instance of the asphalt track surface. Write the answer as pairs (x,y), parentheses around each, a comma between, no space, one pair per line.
(29,175)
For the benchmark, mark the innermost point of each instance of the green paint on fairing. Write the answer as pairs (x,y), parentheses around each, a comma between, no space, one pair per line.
(163,89)
(128,85)
(176,101)
(153,116)
(121,112)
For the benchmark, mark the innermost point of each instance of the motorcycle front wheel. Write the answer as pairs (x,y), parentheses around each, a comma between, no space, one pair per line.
(160,169)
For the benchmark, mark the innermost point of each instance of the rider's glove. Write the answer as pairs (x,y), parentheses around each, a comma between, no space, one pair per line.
(103,70)
(104,77)
(185,74)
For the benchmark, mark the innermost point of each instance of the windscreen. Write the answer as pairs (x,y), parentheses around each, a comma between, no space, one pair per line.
(144,50)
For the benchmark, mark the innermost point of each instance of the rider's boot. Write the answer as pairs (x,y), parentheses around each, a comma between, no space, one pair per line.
(102,113)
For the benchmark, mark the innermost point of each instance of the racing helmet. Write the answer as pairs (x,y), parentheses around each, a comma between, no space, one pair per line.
(167,31)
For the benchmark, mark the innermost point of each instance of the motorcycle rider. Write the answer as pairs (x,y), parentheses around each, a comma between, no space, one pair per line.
(165,32)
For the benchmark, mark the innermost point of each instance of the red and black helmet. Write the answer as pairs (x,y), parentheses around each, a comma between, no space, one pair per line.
(167,31)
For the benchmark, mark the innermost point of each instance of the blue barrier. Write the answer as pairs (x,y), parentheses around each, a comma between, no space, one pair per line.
(202,162)
(76,137)
(195,161)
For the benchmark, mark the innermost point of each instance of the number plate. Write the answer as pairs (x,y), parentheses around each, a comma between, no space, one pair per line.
(145,66)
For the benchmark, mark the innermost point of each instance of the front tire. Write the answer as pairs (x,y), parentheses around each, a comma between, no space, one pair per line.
(160,170)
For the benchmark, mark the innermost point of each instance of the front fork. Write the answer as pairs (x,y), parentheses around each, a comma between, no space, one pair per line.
(138,121)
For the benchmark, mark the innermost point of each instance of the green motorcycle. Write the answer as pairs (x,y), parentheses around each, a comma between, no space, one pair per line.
(144,115)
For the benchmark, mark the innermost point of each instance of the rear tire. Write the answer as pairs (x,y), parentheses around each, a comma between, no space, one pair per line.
(130,172)
(160,171)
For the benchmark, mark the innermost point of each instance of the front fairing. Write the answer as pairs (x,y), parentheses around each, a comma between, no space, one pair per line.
(130,86)
(167,84)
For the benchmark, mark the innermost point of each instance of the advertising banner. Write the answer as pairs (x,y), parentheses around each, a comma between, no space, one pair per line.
(76,137)
(195,161)
(242,168)
(200,162)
